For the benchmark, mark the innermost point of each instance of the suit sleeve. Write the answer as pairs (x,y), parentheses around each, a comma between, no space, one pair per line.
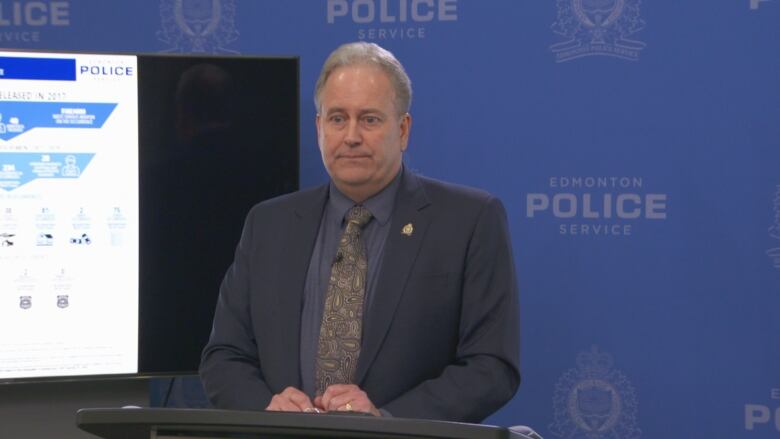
(230,367)
(485,372)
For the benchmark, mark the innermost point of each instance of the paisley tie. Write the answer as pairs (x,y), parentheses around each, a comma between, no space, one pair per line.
(342,319)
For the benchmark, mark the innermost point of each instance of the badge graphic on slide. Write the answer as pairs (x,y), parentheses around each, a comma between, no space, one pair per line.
(62,301)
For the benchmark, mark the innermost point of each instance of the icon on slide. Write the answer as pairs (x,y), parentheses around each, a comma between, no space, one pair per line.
(25,302)
(5,239)
(62,301)
(70,169)
(45,240)
(13,125)
(84,239)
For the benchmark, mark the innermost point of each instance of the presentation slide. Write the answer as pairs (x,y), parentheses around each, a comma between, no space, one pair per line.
(68,214)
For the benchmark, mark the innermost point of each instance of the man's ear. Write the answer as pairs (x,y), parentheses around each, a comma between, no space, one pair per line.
(405,127)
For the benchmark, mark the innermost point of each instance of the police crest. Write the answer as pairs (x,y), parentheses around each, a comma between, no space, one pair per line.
(597,27)
(205,26)
(595,401)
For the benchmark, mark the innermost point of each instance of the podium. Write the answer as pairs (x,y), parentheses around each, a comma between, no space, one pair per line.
(158,423)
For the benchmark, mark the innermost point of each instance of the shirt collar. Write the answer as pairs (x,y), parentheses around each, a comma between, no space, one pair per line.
(380,205)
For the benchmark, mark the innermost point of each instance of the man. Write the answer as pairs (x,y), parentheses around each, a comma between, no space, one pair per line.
(381,292)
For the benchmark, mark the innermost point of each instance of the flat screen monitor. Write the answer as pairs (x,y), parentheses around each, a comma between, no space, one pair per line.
(124,183)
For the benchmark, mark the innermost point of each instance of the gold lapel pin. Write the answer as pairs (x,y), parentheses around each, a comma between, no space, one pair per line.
(408,230)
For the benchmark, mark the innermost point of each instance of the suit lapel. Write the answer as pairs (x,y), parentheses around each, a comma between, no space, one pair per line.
(293,265)
(407,230)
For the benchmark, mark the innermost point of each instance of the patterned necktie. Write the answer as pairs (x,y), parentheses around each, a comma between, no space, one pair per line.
(342,318)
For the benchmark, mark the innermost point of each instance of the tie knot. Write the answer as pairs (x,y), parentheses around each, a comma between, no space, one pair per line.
(358,215)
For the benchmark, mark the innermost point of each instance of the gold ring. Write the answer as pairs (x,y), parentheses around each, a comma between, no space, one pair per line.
(348,406)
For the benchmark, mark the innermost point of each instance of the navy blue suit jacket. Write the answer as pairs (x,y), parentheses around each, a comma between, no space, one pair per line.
(441,339)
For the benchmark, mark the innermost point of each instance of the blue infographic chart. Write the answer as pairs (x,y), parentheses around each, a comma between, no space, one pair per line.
(21,167)
(635,144)
(50,115)
(68,215)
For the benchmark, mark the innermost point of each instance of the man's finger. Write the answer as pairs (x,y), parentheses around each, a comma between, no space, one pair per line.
(348,402)
(301,400)
(335,390)
(290,400)
(348,397)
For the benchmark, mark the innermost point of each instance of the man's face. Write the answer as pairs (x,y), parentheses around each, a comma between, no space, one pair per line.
(360,133)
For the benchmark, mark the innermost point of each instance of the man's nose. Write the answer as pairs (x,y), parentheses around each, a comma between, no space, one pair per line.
(353,136)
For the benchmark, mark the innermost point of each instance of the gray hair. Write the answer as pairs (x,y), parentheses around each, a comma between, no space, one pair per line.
(351,54)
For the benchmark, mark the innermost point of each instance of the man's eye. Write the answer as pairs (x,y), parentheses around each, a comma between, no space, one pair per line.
(337,119)
(371,120)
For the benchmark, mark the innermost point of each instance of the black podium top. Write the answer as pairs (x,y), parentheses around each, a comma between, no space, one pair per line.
(142,423)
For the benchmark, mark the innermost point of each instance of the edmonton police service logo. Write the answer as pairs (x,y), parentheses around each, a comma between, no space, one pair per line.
(774,231)
(205,26)
(597,27)
(595,401)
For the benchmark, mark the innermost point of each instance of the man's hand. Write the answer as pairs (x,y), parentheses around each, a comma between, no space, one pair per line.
(290,400)
(345,398)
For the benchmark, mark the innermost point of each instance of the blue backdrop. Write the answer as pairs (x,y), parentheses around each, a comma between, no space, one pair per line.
(636,146)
